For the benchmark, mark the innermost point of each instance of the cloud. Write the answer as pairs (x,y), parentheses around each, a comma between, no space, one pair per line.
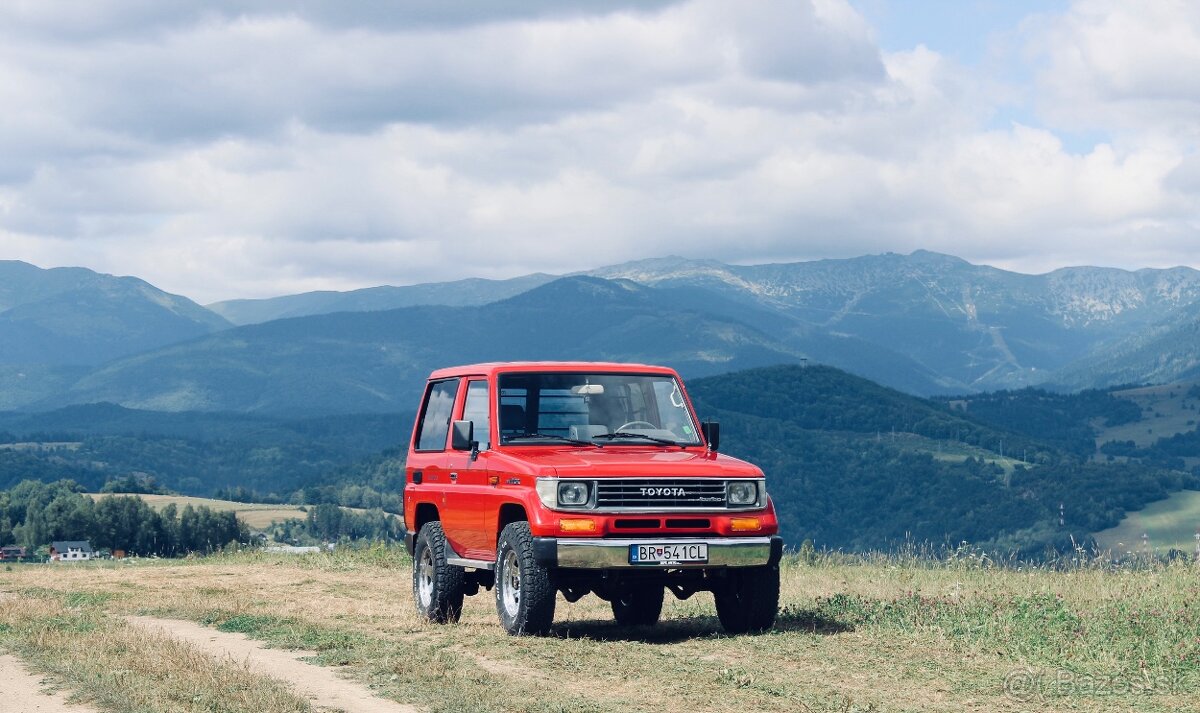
(221,151)
(1122,67)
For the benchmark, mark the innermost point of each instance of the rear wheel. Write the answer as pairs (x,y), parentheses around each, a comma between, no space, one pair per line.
(437,586)
(748,599)
(524,592)
(641,606)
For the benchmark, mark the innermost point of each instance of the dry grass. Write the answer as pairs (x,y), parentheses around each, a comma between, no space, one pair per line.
(120,668)
(853,635)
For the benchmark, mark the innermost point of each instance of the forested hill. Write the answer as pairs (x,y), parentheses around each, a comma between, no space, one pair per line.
(827,399)
(854,465)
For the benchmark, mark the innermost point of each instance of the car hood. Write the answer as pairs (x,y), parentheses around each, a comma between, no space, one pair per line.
(626,462)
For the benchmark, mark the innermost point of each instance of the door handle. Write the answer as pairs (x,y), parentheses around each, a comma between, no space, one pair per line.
(453,475)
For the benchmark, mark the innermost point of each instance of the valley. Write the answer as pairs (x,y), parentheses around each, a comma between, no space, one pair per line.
(820,371)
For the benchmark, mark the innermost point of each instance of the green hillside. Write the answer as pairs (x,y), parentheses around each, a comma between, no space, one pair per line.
(191,453)
(1161,526)
(1071,422)
(840,477)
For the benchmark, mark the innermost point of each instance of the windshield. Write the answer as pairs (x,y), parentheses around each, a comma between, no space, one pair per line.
(594,408)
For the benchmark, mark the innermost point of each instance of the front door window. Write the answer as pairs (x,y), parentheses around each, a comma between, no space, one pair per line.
(476,410)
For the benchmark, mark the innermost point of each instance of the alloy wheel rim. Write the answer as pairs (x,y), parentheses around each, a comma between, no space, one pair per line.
(425,578)
(510,584)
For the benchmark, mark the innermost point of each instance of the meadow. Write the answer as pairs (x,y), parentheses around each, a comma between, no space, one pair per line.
(863,633)
(256,515)
(1168,524)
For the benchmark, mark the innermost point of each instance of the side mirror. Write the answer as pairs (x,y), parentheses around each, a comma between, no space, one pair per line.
(712,434)
(462,435)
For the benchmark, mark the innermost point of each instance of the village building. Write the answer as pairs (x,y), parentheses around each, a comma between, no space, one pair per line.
(11,553)
(71,551)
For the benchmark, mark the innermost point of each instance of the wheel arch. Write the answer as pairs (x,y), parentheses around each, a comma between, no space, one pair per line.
(508,514)
(426,513)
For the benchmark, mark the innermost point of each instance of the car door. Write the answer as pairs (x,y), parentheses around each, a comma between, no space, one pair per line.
(428,476)
(470,492)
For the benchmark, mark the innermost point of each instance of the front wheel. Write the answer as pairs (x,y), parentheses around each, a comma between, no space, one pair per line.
(748,599)
(524,592)
(437,585)
(641,606)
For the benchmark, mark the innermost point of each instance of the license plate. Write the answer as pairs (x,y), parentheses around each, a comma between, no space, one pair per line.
(669,553)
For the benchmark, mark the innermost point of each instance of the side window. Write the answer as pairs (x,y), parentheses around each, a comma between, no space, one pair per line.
(434,425)
(476,409)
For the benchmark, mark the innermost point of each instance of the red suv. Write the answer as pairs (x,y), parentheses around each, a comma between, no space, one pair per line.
(537,478)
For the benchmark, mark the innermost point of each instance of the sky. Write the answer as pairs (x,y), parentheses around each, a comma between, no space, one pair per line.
(226,149)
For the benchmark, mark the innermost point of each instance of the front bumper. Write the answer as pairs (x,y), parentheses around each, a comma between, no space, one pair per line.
(604,553)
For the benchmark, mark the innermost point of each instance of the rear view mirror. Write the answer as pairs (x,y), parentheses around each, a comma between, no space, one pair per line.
(462,435)
(712,434)
(588,389)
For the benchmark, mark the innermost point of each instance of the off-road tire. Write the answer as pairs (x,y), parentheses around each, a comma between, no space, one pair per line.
(640,606)
(525,602)
(437,585)
(748,599)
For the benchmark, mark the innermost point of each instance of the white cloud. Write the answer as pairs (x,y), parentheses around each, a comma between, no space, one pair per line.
(1120,66)
(223,154)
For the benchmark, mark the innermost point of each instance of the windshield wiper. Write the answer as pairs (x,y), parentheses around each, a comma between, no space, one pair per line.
(552,437)
(627,434)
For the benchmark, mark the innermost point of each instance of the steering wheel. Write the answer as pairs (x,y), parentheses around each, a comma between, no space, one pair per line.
(647,424)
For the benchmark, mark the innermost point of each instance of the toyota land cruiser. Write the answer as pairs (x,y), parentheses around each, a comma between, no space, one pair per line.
(535,479)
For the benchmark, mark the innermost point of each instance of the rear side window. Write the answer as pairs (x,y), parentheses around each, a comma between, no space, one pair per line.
(434,425)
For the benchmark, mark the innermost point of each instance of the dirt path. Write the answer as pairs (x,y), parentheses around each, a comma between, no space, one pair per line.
(22,692)
(319,684)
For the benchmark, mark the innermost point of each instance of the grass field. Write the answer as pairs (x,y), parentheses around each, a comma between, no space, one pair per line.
(255,515)
(1166,411)
(1170,523)
(853,635)
(955,452)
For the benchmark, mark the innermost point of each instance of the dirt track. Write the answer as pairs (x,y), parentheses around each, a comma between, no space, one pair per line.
(320,685)
(22,692)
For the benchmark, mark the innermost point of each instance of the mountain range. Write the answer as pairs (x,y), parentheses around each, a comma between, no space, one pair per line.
(924,323)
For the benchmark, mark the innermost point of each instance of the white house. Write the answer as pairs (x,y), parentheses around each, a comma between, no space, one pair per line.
(71,551)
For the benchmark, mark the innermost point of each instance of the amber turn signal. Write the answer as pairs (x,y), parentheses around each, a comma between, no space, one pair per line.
(744,524)
(577,525)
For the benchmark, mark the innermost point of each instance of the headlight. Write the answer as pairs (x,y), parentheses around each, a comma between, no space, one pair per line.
(741,494)
(573,494)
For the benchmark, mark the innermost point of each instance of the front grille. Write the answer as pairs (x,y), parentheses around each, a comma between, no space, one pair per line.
(660,493)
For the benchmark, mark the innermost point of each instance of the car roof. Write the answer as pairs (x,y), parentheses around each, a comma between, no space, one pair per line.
(495,367)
